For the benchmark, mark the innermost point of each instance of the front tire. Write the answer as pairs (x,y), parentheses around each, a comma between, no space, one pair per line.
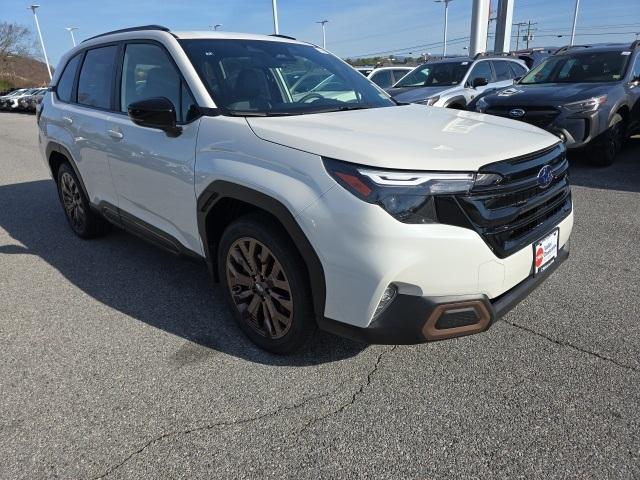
(266,284)
(606,149)
(83,221)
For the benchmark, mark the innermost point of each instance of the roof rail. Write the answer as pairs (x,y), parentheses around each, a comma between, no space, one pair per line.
(283,36)
(131,29)
(493,54)
(566,48)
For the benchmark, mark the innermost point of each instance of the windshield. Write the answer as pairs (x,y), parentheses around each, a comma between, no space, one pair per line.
(257,77)
(582,67)
(435,75)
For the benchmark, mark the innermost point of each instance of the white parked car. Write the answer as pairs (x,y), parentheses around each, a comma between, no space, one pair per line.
(380,222)
(455,82)
(385,77)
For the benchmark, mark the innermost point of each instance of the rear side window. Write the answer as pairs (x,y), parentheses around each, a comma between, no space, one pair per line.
(502,71)
(96,77)
(65,84)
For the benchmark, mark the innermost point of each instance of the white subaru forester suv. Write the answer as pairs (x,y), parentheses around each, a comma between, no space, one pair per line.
(380,222)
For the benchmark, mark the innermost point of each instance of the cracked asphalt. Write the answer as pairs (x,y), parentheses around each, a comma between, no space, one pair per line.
(119,361)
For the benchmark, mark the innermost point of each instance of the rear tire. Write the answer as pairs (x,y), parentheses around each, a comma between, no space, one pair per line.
(266,284)
(84,222)
(606,148)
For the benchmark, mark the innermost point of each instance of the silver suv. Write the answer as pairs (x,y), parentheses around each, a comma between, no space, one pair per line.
(455,82)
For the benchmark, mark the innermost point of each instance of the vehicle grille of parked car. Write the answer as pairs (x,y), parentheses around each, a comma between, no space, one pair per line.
(526,204)
(541,117)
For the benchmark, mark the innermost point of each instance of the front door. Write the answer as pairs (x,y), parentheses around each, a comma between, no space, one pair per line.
(153,172)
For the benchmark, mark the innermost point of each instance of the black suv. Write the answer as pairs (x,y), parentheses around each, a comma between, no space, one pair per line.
(588,95)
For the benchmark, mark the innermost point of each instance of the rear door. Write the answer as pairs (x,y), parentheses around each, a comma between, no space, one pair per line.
(85,119)
(154,173)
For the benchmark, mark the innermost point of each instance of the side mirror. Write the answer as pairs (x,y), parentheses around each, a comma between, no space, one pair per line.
(479,82)
(157,113)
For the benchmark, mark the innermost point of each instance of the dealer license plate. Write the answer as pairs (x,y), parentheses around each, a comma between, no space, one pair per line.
(545,252)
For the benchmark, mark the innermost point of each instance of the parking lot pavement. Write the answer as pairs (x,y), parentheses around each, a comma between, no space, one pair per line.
(120,361)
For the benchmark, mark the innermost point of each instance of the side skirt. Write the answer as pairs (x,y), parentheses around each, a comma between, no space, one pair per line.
(144,230)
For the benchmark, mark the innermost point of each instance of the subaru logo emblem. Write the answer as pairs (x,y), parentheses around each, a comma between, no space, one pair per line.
(545,176)
(517,113)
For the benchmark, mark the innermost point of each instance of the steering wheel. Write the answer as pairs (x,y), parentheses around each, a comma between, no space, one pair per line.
(311,96)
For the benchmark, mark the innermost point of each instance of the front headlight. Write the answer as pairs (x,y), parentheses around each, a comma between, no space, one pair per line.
(431,101)
(407,196)
(590,105)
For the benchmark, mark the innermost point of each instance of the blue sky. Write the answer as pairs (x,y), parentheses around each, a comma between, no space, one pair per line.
(356,27)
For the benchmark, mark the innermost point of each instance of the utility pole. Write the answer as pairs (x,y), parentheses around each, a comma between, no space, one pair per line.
(324,33)
(70,30)
(529,37)
(519,24)
(274,6)
(33,8)
(575,21)
(446,24)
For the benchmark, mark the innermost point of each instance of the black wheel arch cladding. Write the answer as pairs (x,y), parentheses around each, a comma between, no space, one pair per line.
(220,190)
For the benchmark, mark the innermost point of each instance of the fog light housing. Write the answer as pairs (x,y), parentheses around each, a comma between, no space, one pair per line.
(387,297)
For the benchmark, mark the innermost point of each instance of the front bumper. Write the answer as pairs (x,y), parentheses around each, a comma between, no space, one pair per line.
(412,320)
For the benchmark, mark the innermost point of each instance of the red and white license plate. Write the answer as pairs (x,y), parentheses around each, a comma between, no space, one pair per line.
(545,251)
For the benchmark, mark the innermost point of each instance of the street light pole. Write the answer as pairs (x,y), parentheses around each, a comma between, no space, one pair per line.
(274,6)
(575,21)
(446,24)
(324,34)
(33,8)
(70,30)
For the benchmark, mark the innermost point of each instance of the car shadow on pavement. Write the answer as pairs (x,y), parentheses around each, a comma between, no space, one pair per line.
(139,280)
(623,175)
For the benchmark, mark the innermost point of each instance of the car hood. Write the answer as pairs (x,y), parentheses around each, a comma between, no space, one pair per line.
(413,94)
(547,93)
(411,137)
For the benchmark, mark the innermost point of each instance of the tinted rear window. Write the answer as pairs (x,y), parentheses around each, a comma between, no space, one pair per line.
(96,77)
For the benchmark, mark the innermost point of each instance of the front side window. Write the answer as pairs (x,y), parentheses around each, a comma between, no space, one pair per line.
(481,70)
(96,77)
(64,88)
(398,74)
(518,70)
(583,67)
(383,78)
(502,71)
(635,77)
(147,73)
(435,75)
(261,77)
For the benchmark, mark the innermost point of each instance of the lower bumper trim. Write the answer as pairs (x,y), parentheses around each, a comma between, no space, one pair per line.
(411,320)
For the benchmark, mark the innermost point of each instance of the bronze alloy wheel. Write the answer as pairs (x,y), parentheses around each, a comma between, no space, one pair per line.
(72,201)
(259,288)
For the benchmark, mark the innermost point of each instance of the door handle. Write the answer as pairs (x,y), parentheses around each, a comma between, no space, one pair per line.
(115,134)
(67,120)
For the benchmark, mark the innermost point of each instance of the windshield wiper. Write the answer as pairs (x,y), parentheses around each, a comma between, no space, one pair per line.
(252,113)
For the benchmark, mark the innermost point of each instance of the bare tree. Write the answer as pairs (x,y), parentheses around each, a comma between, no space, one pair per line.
(15,39)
